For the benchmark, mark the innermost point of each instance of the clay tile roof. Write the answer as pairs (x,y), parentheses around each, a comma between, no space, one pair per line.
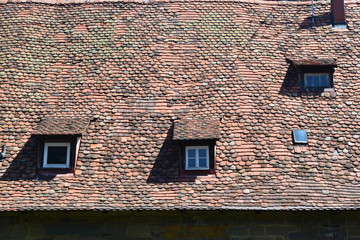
(61,126)
(314,62)
(197,129)
(140,63)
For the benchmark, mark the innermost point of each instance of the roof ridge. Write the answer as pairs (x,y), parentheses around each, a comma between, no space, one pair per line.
(264,2)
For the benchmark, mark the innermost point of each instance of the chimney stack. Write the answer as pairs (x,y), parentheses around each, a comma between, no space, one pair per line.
(338,13)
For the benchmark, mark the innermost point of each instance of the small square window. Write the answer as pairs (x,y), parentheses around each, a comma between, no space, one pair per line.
(300,137)
(197,158)
(56,155)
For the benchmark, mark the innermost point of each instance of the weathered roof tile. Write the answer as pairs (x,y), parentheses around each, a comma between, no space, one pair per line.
(137,66)
(61,126)
(314,62)
(197,129)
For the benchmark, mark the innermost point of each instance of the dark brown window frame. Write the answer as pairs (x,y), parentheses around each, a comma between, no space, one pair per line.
(211,143)
(302,70)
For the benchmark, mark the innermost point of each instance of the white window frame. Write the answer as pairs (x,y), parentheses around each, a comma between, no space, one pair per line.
(56,144)
(197,148)
(328,85)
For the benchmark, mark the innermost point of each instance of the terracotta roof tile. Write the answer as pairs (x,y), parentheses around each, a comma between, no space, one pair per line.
(61,126)
(196,129)
(314,62)
(138,66)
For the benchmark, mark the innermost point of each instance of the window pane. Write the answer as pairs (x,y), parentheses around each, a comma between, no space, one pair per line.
(56,155)
(191,162)
(300,136)
(323,77)
(197,157)
(203,162)
(316,82)
(309,81)
(324,81)
(191,153)
(202,153)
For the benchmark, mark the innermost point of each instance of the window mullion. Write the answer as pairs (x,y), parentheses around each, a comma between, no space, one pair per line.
(197,157)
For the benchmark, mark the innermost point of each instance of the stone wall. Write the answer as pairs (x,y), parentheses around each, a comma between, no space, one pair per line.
(181,225)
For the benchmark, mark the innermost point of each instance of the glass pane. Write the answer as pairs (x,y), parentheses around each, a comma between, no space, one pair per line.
(202,153)
(191,162)
(324,81)
(316,81)
(203,162)
(57,155)
(191,153)
(309,78)
(309,81)
(300,136)
(323,77)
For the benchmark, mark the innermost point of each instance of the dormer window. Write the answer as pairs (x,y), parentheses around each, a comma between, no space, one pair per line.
(197,145)
(56,155)
(59,144)
(58,152)
(315,75)
(315,79)
(197,157)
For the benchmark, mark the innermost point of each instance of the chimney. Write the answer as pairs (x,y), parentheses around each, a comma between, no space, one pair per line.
(338,13)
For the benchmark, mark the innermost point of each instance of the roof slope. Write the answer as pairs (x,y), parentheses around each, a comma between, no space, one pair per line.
(134,68)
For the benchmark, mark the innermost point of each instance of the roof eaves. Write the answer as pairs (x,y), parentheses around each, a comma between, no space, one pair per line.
(314,62)
(61,126)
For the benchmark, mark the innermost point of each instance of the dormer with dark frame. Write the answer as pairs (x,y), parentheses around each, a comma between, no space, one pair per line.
(59,144)
(197,145)
(315,75)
